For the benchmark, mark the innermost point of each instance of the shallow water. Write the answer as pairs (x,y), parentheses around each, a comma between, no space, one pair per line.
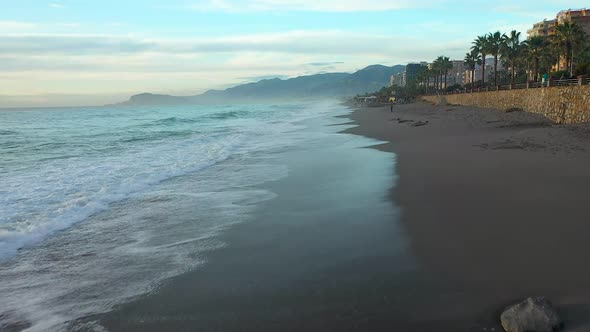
(99,206)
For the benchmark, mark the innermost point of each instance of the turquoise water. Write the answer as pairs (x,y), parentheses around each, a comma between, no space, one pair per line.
(100,205)
(60,166)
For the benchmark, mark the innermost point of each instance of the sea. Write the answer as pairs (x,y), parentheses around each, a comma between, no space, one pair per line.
(101,205)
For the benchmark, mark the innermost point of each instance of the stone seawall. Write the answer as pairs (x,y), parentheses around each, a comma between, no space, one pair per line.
(564,104)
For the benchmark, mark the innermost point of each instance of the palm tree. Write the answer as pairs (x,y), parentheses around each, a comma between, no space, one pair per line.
(481,46)
(446,65)
(495,41)
(511,50)
(568,36)
(437,68)
(472,59)
(421,77)
(535,50)
(429,74)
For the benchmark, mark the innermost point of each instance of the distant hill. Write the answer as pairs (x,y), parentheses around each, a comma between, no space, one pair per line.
(369,79)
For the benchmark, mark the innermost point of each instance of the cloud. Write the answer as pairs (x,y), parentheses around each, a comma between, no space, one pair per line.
(27,44)
(324,64)
(54,64)
(507,27)
(526,12)
(263,77)
(317,42)
(16,26)
(44,57)
(56,5)
(307,5)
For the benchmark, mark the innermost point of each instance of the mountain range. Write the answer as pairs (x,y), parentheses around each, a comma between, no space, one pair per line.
(371,78)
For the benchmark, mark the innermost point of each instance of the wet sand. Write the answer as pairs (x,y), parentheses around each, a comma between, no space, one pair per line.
(496,202)
(475,210)
(327,254)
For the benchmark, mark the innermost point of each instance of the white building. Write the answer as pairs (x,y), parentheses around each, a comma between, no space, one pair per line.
(457,74)
(478,68)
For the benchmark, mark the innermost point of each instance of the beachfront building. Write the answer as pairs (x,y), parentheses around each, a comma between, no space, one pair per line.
(457,74)
(412,71)
(396,80)
(478,68)
(544,28)
(581,17)
(547,27)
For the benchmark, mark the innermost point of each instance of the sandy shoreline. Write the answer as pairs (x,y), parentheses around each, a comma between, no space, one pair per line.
(326,254)
(493,209)
(495,202)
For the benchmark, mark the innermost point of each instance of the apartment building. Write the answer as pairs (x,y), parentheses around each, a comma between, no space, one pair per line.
(544,28)
(396,80)
(457,74)
(547,27)
(580,16)
(412,71)
(478,70)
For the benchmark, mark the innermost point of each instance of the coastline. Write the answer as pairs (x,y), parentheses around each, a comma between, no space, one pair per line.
(414,239)
(325,254)
(482,195)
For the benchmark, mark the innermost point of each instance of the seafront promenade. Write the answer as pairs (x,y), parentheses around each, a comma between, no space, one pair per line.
(561,103)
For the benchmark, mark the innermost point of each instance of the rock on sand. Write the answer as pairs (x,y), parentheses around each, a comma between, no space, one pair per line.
(535,314)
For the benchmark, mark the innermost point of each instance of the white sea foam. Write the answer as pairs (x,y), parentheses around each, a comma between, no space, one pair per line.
(151,208)
(41,198)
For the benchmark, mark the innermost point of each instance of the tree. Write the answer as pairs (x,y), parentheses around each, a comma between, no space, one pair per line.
(472,59)
(495,42)
(511,50)
(422,77)
(442,65)
(446,65)
(583,55)
(429,74)
(535,50)
(481,46)
(568,37)
(437,69)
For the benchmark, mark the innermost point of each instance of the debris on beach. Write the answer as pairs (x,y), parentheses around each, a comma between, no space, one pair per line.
(419,123)
(412,123)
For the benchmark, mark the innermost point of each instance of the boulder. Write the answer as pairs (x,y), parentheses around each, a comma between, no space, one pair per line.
(535,314)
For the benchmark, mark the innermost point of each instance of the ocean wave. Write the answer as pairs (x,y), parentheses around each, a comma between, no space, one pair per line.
(51,191)
(172,121)
(229,115)
(64,193)
(157,135)
(145,211)
(132,248)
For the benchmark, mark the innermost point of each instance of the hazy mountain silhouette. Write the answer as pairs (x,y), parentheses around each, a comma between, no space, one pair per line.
(369,79)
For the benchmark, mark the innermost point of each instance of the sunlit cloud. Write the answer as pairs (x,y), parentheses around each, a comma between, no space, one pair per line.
(16,26)
(307,5)
(319,42)
(113,48)
(49,64)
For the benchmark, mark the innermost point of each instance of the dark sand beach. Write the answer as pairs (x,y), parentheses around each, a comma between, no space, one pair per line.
(495,201)
(484,208)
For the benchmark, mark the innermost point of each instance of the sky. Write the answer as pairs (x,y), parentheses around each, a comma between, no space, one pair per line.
(81,52)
